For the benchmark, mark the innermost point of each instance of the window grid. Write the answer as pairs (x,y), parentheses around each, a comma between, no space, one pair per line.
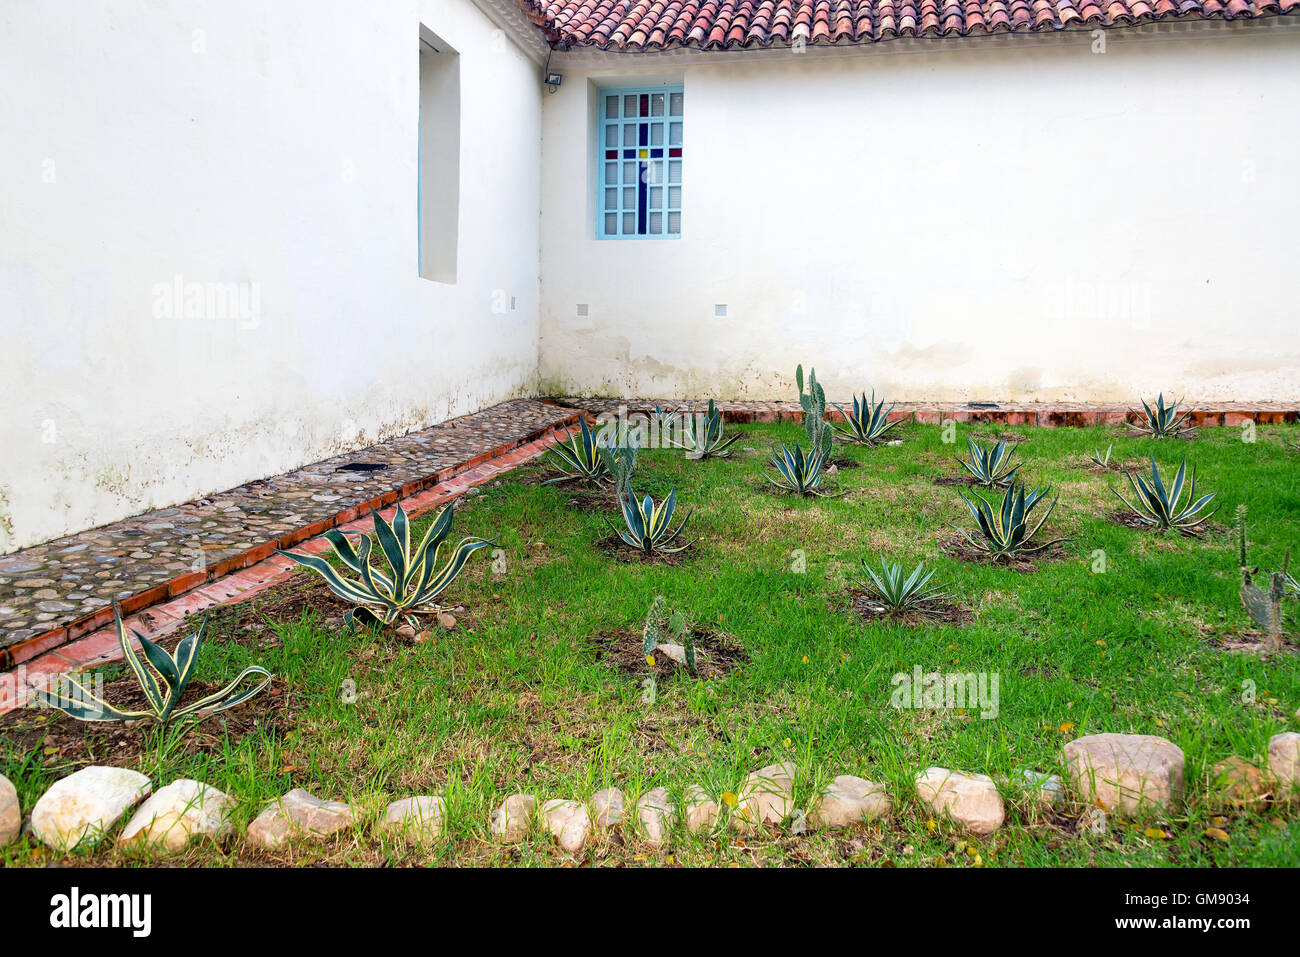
(640,149)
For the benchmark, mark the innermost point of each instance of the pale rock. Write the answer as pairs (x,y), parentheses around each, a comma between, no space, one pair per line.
(173,815)
(1237,782)
(654,811)
(607,806)
(568,822)
(767,796)
(970,800)
(1044,790)
(701,810)
(447,621)
(298,814)
(85,804)
(849,800)
(510,821)
(1284,762)
(1125,772)
(676,652)
(11,815)
(418,818)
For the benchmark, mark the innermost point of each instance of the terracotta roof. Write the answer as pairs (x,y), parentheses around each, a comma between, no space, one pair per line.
(635,25)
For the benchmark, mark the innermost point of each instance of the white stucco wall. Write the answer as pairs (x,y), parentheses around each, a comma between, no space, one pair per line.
(1018,220)
(270,143)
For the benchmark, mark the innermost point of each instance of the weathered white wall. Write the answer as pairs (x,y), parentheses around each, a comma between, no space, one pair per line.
(265,142)
(1010,221)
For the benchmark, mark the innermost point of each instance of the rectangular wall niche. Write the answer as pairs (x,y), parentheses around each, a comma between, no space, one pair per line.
(439,157)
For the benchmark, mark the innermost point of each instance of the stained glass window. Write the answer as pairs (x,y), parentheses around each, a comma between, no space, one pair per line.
(640,137)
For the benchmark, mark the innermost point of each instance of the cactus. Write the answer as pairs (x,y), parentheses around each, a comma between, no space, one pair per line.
(1264,605)
(664,628)
(814,411)
(620,461)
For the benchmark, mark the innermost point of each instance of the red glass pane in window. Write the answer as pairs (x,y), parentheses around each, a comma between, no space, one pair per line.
(675,152)
(611,154)
(645,104)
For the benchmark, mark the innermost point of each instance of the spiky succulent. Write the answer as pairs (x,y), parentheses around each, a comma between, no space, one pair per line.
(1161,422)
(1166,507)
(1006,532)
(648,526)
(897,589)
(1264,605)
(868,423)
(703,439)
(620,462)
(990,467)
(797,472)
(1101,459)
(813,403)
(579,458)
(664,627)
(162,677)
(415,580)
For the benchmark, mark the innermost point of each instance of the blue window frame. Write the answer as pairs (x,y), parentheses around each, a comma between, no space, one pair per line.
(639,144)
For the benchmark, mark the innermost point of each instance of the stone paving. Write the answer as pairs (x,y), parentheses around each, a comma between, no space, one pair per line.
(63,589)
(933,413)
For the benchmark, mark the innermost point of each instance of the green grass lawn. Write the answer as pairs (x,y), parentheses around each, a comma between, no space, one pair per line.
(516,698)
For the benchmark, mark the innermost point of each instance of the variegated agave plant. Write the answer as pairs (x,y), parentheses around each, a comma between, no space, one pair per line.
(579,458)
(1006,533)
(898,590)
(1161,422)
(1166,508)
(415,581)
(162,677)
(704,440)
(990,467)
(868,423)
(648,526)
(797,472)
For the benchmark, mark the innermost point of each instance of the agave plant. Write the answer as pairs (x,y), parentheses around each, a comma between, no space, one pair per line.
(705,440)
(1162,422)
(162,677)
(869,421)
(899,590)
(648,527)
(990,466)
(579,457)
(1166,508)
(1098,458)
(665,628)
(797,472)
(415,582)
(1006,532)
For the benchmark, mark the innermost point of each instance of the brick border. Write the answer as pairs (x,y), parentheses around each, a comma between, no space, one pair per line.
(63,648)
(934,413)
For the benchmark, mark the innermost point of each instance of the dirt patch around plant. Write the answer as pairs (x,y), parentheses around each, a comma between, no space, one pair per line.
(958,548)
(717,654)
(1252,643)
(872,612)
(620,551)
(64,744)
(845,463)
(1126,519)
(950,481)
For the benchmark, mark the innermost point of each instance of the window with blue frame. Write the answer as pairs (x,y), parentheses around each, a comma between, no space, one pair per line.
(640,139)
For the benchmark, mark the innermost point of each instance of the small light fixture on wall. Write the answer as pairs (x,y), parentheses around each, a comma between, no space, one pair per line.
(553,81)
